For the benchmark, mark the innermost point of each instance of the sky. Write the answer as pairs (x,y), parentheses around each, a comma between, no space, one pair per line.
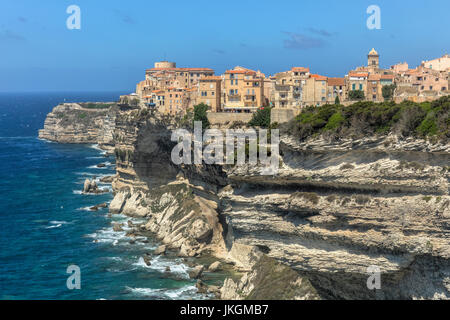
(119,39)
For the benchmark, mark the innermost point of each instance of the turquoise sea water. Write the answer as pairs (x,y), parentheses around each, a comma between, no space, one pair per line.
(45,224)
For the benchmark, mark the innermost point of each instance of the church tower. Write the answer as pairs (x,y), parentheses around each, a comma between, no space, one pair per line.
(373,59)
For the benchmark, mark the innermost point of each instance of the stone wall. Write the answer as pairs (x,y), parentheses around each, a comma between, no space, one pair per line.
(283,115)
(221,118)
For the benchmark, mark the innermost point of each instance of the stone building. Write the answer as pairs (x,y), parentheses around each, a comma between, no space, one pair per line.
(243,90)
(210,92)
(336,88)
(288,88)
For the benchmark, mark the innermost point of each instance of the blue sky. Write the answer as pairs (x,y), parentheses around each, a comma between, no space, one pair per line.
(119,39)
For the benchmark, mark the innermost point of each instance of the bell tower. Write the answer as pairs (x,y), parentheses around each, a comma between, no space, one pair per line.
(373,59)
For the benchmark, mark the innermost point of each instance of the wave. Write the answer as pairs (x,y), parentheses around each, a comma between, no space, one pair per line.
(56,226)
(158,264)
(97,147)
(79,192)
(60,222)
(182,293)
(107,235)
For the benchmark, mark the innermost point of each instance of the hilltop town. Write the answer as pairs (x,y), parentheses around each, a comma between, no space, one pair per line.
(173,90)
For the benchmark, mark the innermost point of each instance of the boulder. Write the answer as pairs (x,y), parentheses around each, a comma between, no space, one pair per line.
(160,250)
(117,227)
(197,272)
(90,186)
(147,259)
(201,287)
(118,202)
(102,205)
(101,165)
(216,266)
(94,208)
(107,179)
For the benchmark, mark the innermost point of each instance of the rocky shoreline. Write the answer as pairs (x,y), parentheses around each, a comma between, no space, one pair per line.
(335,209)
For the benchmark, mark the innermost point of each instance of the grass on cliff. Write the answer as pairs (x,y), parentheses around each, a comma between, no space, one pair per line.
(408,119)
(91,105)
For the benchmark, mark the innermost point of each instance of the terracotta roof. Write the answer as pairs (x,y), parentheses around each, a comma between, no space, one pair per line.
(336,81)
(387,76)
(246,72)
(318,77)
(358,74)
(300,69)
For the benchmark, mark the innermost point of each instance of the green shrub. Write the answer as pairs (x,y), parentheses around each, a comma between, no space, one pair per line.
(335,121)
(355,95)
(368,118)
(261,118)
(200,114)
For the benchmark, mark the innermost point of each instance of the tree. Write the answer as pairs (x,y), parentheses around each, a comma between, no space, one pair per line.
(356,95)
(261,118)
(388,92)
(337,100)
(200,114)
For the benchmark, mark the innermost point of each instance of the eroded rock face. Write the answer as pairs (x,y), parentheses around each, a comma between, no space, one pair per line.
(74,123)
(332,211)
(269,280)
(331,214)
(176,216)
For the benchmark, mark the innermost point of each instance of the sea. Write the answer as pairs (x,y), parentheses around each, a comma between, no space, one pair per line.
(47,229)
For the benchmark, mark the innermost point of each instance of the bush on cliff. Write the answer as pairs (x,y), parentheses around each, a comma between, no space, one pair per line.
(364,118)
(261,118)
(200,114)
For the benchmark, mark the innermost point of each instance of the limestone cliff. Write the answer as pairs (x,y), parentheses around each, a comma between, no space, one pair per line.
(333,210)
(81,123)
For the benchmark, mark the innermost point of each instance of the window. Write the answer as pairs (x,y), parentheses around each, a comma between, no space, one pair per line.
(353,86)
(360,86)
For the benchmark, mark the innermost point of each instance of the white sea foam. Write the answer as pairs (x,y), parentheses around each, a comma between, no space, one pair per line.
(159,264)
(79,192)
(185,292)
(56,226)
(107,235)
(59,222)
(96,147)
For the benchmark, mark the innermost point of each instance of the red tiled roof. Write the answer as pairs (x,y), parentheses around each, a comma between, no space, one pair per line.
(319,77)
(387,76)
(336,81)
(358,74)
(246,72)
(300,69)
